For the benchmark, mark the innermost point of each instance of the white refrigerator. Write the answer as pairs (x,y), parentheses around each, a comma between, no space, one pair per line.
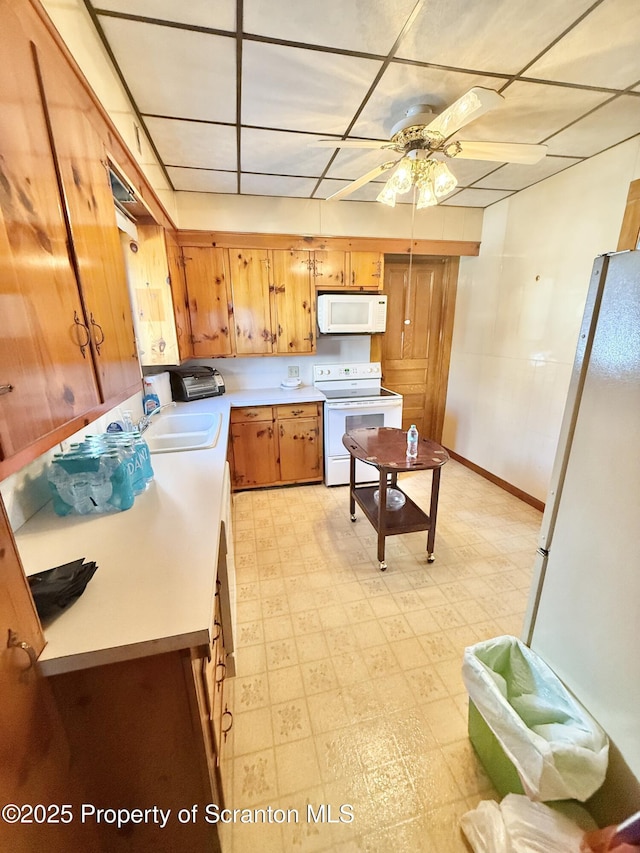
(583,617)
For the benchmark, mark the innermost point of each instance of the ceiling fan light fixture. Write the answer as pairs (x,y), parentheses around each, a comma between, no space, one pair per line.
(401,180)
(444,181)
(387,196)
(426,194)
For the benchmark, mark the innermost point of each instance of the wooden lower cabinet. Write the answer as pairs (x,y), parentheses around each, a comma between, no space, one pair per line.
(276,445)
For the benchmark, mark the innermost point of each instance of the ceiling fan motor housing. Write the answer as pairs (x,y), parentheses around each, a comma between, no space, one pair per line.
(410,132)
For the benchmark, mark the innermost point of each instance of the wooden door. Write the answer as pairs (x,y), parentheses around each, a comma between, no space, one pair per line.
(46,371)
(366,270)
(210,307)
(148,273)
(255,456)
(179,296)
(330,269)
(83,165)
(415,354)
(292,302)
(249,275)
(300,451)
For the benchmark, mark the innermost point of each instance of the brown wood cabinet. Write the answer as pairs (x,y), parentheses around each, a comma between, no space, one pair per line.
(366,270)
(209,296)
(179,296)
(333,270)
(276,445)
(293,303)
(251,293)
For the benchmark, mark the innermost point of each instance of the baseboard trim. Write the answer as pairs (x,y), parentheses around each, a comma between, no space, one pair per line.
(498,481)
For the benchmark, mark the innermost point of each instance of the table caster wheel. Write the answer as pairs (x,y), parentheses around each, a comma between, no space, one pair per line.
(431,558)
(353,518)
(382,565)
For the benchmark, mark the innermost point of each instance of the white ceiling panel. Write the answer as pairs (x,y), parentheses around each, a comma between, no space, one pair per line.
(203,180)
(190,143)
(496,35)
(175,72)
(469,171)
(531,112)
(514,176)
(612,123)
(276,185)
(403,85)
(370,27)
(220,15)
(475,198)
(293,89)
(282,153)
(602,50)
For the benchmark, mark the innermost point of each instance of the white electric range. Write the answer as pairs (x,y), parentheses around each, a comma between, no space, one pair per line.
(355,398)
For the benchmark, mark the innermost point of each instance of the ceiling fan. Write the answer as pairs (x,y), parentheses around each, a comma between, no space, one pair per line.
(423,139)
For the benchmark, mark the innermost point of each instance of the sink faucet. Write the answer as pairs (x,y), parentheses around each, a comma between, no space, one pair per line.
(145,420)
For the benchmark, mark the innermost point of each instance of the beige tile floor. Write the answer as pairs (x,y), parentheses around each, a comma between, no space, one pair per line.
(348,688)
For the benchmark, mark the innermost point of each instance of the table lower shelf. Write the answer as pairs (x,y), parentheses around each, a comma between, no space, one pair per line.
(408,519)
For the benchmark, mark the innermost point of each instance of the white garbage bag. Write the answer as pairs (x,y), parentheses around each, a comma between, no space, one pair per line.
(518,825)
(557,748)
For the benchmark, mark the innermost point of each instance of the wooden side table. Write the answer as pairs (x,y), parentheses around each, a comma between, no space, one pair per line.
(385,448)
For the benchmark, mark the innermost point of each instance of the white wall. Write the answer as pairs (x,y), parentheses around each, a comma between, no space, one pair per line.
(518,313)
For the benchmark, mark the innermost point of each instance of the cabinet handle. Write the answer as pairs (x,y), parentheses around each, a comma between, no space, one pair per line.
(81,325)
(217,625)
(297,411)
(224,672)
(227,713)
(14,642)
(353,277)
(97,326)
(5,389)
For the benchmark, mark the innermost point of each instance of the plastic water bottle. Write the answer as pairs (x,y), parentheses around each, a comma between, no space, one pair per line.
(412,442)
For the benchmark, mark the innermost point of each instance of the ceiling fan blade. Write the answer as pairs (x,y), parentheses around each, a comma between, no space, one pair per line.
(350,143)
(469,107)
(502,152)
(362,180)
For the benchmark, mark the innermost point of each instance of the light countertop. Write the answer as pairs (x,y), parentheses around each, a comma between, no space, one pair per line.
(157,562)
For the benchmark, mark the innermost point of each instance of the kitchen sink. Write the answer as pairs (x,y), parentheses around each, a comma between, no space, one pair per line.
(172,433)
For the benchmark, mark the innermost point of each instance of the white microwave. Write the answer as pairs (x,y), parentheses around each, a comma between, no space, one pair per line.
(352,313)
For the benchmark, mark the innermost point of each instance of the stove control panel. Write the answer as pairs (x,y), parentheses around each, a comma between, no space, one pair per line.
(347,371)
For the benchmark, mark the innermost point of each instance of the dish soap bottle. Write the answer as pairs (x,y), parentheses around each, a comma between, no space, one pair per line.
(412,442)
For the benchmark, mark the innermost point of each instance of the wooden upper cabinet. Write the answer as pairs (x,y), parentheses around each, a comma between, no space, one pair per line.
(330,269)
(249,271)
(83,166)
(210,308)
(630,230)
(292,302)
(366,270)
(46,374)
(179,296)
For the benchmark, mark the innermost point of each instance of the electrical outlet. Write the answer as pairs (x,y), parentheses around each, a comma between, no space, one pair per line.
(293,371)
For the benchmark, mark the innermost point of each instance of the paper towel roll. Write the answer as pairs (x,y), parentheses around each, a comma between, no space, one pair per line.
(158,383)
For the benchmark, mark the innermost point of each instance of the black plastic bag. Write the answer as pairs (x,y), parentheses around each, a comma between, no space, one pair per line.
(57,588)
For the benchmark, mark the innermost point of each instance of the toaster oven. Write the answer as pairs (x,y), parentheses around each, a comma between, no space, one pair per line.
(195,383)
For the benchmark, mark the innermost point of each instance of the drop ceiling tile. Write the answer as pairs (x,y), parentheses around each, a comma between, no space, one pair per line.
(282,153)
(531,112)
(220,15)
(469,171)
(277,185)
(293,89)
(403,86)
(203,180)
(602,50)
(607,126)
(175,72)
(369,28)
(475,198)
(515,176)
(192,143)
(500,36)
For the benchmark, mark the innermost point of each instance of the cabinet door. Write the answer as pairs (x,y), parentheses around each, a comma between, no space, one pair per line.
(249,273)
(210,307)
(45,364)
(148,273)
(367,270)
(330,269)
(300,451)
(255,461)
(179,297)
(82,161)
(292,302)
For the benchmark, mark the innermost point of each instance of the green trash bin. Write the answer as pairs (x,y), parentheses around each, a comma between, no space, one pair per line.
(530,733)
